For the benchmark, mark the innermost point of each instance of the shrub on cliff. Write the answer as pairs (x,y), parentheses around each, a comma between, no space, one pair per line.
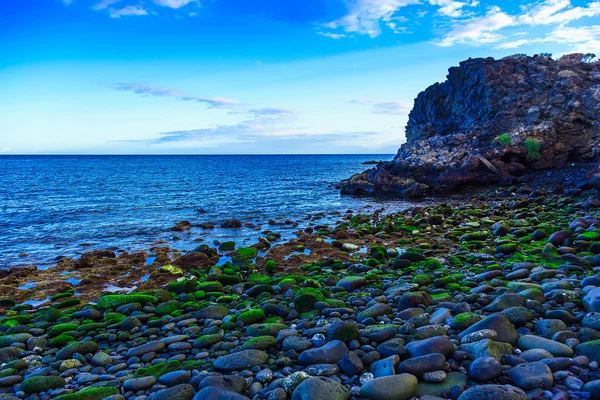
(533,149)
(504,139)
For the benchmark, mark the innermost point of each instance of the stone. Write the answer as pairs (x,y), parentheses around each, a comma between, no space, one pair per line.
(531,375)
(385,367)
(374,311)
(351,283)
(39,384)
(589,349)
(455,382)
(345,331)
(330,353)
(150,347)
(493,392)
(179,392)
(143,383)
(487,348)
(505,331)
(399,387)
(417,366)
(217,393)
(437,344)
(241,360)
(351,364)
(320,388)
(536,342)
(485,369)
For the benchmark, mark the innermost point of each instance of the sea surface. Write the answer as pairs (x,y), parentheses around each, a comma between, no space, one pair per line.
(66,205)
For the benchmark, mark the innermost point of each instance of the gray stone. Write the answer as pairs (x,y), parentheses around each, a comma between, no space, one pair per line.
(150,347)
(330,353)
(241,360)
(557,349)
(398,387)
(505,331)
(136,384)
(438,344)
(493,392)
(320,388)
(485,369)
(179,392)
(531,375)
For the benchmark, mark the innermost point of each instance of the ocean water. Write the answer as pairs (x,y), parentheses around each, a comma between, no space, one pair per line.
(65,205)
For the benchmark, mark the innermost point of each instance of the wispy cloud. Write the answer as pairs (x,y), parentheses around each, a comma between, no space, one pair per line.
(488,29)
(260,122)
(127,11)
(478,30)
(557,12)
(104,4)
(67,2)
(452,8)
(173,3)
(147,90)
(386,107)
(332,35)
(365,16)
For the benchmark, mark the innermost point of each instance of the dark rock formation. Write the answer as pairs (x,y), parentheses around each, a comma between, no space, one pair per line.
(491,121)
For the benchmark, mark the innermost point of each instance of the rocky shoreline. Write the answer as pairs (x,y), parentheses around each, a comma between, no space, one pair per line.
(494,296)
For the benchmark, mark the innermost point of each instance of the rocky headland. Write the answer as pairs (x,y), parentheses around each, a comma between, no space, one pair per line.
(492,121)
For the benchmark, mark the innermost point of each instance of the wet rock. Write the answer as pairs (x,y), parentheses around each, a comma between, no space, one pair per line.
(401,387)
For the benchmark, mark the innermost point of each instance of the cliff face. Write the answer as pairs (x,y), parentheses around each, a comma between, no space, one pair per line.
(490,121)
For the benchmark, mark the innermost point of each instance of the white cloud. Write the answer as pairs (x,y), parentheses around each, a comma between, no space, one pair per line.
(147,90)
(173,3)
(5,150)
(127,11)
(487,29)
(365,16)
(332,35)
(386,107)
(585,39)
(574,35)
(558,12)
(104,4)
(514,44)
(452,8)
(478,30)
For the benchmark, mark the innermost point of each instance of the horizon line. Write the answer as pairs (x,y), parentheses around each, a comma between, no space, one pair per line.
(186,154)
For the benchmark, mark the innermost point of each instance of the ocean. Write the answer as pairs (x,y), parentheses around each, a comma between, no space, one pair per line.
(54,206)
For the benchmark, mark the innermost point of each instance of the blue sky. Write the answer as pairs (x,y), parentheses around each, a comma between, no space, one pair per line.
(249,76)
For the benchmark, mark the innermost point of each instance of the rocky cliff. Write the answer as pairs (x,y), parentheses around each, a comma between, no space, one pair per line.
(491,121)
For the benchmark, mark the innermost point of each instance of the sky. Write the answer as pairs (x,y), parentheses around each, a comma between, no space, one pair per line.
(250,76)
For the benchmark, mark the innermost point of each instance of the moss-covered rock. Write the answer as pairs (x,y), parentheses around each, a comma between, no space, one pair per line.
(306,298)
(116,300)
(93,393)
(251,316)
(183,286)
(247,253)
(270,266)
(39,384)
(171,269)
(260,343)
(58,330)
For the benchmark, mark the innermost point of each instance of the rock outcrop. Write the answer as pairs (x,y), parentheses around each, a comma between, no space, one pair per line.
(491,121)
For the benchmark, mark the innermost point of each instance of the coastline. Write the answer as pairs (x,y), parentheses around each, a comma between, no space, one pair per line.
(370,292)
